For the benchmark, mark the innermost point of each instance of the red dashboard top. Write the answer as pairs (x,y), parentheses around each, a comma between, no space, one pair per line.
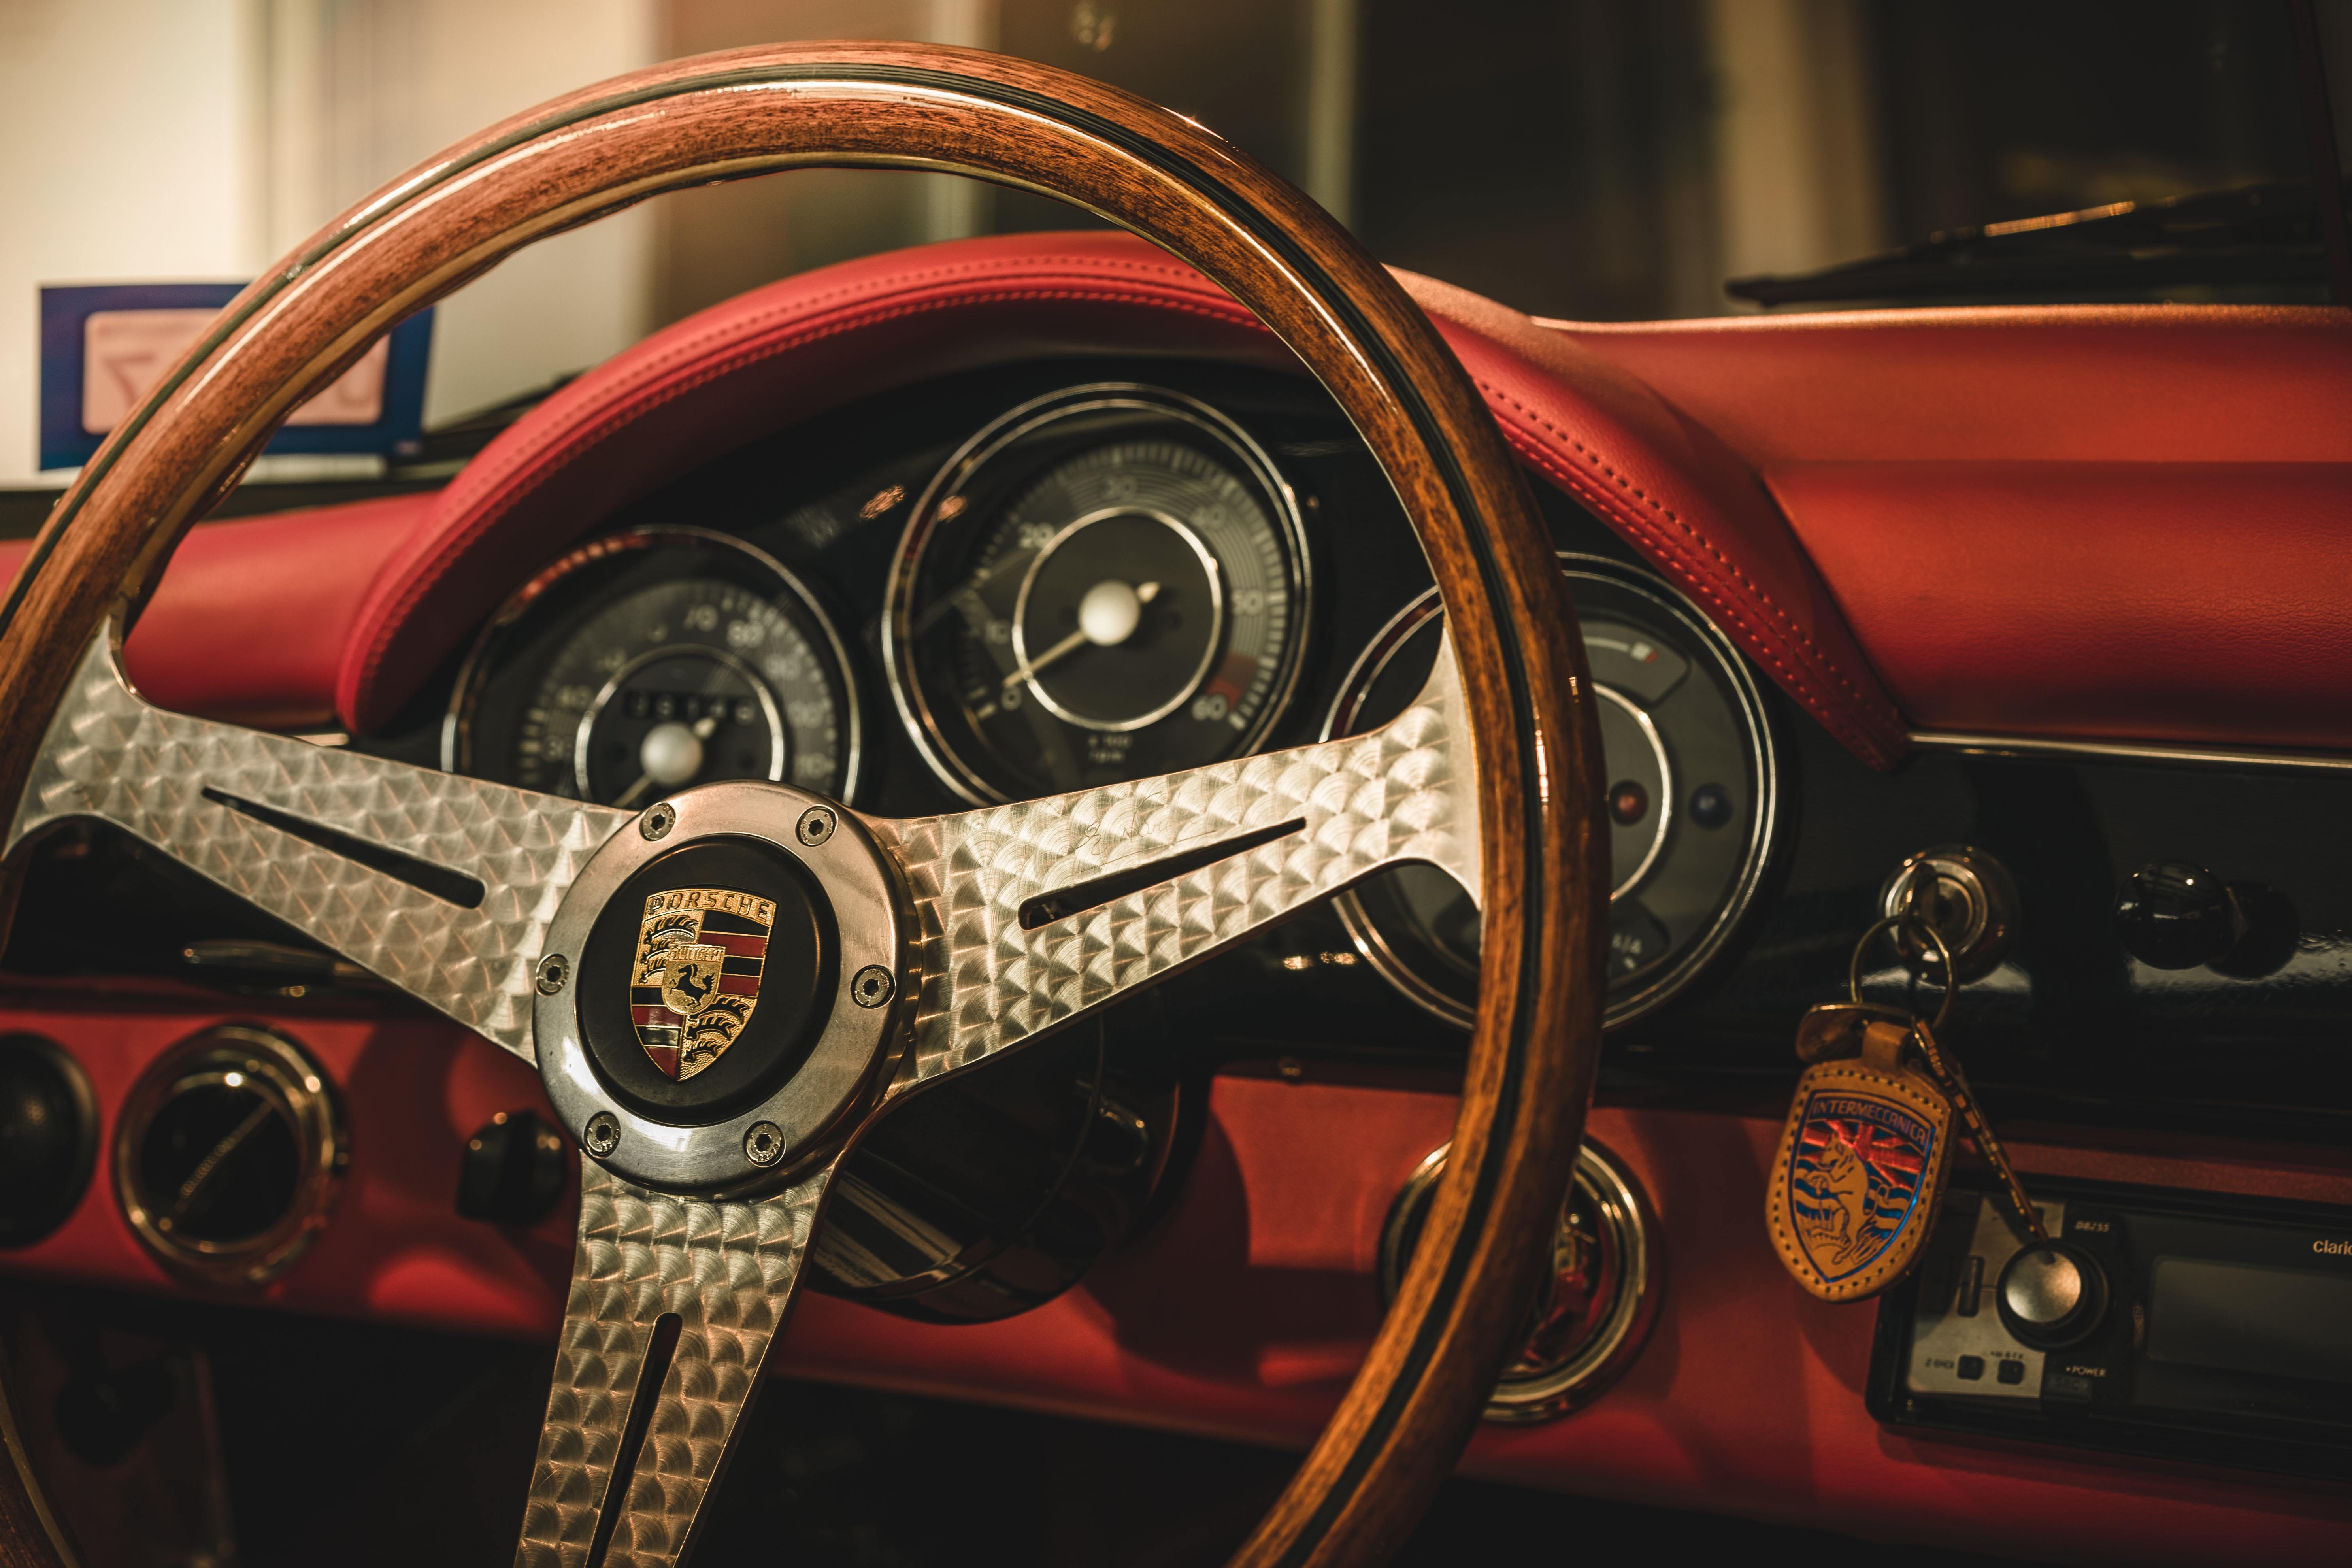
(2058,523)
(2097,522)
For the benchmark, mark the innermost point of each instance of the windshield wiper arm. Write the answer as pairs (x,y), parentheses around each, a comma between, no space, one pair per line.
(2249,235)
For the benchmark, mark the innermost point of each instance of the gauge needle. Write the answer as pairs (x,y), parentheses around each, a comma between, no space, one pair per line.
(671,754)
(1108,616)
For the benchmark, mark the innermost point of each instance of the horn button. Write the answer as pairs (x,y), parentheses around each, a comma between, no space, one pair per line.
(715,1005)
(707,980)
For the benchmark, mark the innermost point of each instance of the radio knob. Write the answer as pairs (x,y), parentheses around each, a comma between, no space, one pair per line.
(2175,916)
(2051,1295)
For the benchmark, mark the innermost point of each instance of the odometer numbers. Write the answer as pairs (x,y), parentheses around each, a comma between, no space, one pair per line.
(652,661)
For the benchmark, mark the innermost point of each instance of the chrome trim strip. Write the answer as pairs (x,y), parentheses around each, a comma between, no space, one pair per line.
(2035,749)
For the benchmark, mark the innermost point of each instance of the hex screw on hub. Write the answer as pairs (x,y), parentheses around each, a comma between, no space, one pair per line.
(604,1134)
(657,820)
(764,1143)
(815,825)
(871,986)
(554,974)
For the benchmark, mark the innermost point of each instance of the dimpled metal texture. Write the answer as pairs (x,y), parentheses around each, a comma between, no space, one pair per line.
(112,755)
(728,1270)
(1404,791)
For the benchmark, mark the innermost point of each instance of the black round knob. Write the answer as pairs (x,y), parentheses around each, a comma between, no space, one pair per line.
(513,1170)
(2175,916)
(49,1138)
(2051,1295)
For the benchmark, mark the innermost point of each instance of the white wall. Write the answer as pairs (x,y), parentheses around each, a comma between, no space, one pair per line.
(126,155)
(145,141)
(361,90)
(1795,148)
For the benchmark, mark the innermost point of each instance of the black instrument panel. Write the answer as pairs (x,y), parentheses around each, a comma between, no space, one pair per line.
(2072,1027)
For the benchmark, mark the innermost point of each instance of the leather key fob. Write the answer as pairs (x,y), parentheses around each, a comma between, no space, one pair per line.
(1861,1170)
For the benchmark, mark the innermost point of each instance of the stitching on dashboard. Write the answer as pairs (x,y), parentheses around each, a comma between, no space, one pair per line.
(1696,538)
(814,305)
(1832,715)
(1820,660)
(500,495)
(638,404)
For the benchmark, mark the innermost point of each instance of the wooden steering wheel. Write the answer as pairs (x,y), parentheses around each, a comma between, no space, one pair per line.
(899,950)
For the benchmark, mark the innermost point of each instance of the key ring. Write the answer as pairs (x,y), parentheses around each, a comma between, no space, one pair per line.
(1896,922)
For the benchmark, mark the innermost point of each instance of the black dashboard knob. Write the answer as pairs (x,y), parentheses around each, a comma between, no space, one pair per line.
(513,1171)
(49,1138)
(2170,915)
(2051,1295)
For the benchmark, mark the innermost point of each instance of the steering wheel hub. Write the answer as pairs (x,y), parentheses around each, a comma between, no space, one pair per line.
(714,988)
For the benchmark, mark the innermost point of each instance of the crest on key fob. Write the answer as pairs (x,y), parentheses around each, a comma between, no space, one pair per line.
(1861,1170)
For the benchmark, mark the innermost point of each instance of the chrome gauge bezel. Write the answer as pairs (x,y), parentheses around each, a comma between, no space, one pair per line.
(482,658)
(1672,979)
(301,1096)
(969,782)
(1617,1222)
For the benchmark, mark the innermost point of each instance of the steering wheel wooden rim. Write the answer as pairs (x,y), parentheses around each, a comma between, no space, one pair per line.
(1543,853)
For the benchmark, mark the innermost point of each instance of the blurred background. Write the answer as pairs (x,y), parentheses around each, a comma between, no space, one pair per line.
(1602,159)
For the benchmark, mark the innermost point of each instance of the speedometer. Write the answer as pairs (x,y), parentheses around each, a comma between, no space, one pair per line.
(1105,584)
(653,660)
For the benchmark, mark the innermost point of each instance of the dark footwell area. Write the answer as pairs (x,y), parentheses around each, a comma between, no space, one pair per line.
(205,1438)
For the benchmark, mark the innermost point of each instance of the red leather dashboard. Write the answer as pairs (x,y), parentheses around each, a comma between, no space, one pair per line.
(251,619)
(2103,523)
(2085,521)
(2112,522)
(825,338)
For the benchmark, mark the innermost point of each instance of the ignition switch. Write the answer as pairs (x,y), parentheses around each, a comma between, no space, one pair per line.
(1967,896)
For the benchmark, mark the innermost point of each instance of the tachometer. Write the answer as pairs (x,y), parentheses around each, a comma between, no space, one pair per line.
(1105,584)
(653,660)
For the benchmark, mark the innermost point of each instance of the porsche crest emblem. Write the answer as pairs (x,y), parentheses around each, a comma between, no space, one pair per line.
(1854,1178)
(700,952)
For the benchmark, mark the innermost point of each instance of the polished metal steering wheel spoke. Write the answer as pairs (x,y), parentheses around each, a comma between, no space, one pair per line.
(676,1301)
(443,886)
(1035,913)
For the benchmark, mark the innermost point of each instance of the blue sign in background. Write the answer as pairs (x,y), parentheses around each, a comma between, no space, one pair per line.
(66,311)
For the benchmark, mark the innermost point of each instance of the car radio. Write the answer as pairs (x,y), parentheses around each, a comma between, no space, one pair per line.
(2216,1331)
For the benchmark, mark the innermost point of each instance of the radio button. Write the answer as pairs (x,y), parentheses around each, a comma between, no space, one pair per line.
(2065,1385)
(2051,1295)
(1971,1285)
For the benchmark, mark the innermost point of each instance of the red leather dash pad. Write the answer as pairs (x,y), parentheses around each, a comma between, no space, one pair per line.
(826,338)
